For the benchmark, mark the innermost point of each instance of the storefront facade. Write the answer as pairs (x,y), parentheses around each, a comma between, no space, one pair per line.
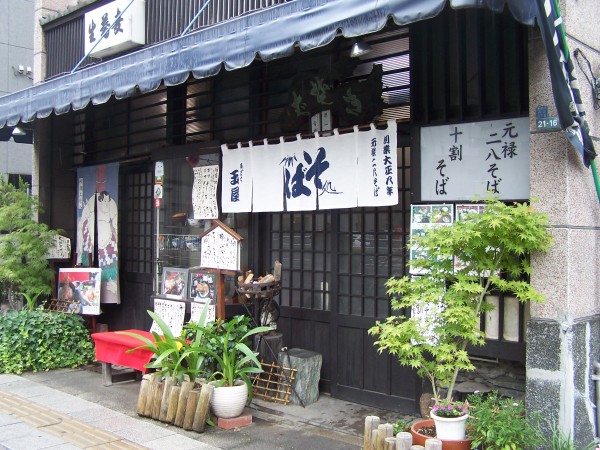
(445,66)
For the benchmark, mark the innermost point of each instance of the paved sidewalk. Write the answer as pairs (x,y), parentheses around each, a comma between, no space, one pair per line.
(71,408)
(33,416)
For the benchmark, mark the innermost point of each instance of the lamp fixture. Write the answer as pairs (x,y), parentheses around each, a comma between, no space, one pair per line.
(359,48)
(18,132)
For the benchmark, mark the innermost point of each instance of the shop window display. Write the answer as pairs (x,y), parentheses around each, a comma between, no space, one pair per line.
(176,231)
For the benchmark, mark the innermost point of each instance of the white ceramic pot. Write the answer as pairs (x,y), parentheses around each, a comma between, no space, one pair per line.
(229,401)
(450,428)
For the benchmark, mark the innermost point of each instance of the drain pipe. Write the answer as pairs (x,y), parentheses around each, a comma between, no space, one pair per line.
(596,378)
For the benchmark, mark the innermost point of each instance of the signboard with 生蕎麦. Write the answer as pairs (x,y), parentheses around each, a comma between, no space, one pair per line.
(114,27)
(462,161)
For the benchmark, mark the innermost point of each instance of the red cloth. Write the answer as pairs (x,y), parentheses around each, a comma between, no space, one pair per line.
(112,348)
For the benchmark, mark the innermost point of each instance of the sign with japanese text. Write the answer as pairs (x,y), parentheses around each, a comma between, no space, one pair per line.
(461,161)
(324,172)
(115,27)
(204,192)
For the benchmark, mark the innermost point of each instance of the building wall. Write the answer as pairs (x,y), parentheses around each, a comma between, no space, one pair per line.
(559,383)
(16,49)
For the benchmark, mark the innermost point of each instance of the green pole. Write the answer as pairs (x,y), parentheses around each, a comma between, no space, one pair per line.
(596,179)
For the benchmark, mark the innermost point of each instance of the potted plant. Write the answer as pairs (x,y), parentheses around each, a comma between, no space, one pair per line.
(234,362)
(174,356)
(465,262)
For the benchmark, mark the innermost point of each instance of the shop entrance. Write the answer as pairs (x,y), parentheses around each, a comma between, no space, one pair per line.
(335,265)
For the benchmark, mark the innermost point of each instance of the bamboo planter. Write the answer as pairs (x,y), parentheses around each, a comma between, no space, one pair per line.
(185,406)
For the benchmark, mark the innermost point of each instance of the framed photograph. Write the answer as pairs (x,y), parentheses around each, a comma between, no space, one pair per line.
(174,283)
(202,286)
(81,287)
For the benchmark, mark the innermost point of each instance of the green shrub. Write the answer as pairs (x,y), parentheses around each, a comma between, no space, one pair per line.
(43,340)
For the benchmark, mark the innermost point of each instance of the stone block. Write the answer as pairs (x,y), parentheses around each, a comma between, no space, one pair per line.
(308,372)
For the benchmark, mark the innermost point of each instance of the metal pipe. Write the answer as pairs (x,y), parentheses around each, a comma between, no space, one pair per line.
(596,378)
(195,17)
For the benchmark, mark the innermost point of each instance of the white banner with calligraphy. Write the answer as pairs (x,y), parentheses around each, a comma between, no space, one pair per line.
(237,180)
(267,177)
(377,163)
(461,161)
(343,168)
(324,172)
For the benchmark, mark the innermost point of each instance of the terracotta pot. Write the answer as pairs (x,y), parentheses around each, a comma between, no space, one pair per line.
(229,401)
(419,439)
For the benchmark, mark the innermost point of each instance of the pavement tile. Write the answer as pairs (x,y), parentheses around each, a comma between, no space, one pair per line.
(143,432)
(33,441)
(15,430)
(6,378)
(177,441)
(42,419)
(118,445)
(7,419)
(118,425)
(27,425)
(28,389)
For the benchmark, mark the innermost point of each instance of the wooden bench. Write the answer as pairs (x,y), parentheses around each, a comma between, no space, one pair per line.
(112,348)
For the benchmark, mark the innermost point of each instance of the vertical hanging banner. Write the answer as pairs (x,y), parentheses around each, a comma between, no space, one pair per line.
(302,164)
(98,215)
(267,177)
(377,166)
(86,215)
(107,195)
(237,180)
(340,181)
(204,192)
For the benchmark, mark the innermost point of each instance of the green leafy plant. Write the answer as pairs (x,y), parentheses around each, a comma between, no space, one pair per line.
(42,340)
(558,440)
(499,423)
(24,243)
(491,252)
(175,356)
(234,358)
(214,335)
(31,300)
(401,425)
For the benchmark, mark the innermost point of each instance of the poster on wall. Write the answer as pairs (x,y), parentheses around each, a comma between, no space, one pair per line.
(81,287)
(98,215)
(202,286)
(60,249)
(204,192)
(422,219)
(174,283)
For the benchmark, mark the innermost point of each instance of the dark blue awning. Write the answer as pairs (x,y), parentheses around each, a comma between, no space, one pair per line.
(269,34)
